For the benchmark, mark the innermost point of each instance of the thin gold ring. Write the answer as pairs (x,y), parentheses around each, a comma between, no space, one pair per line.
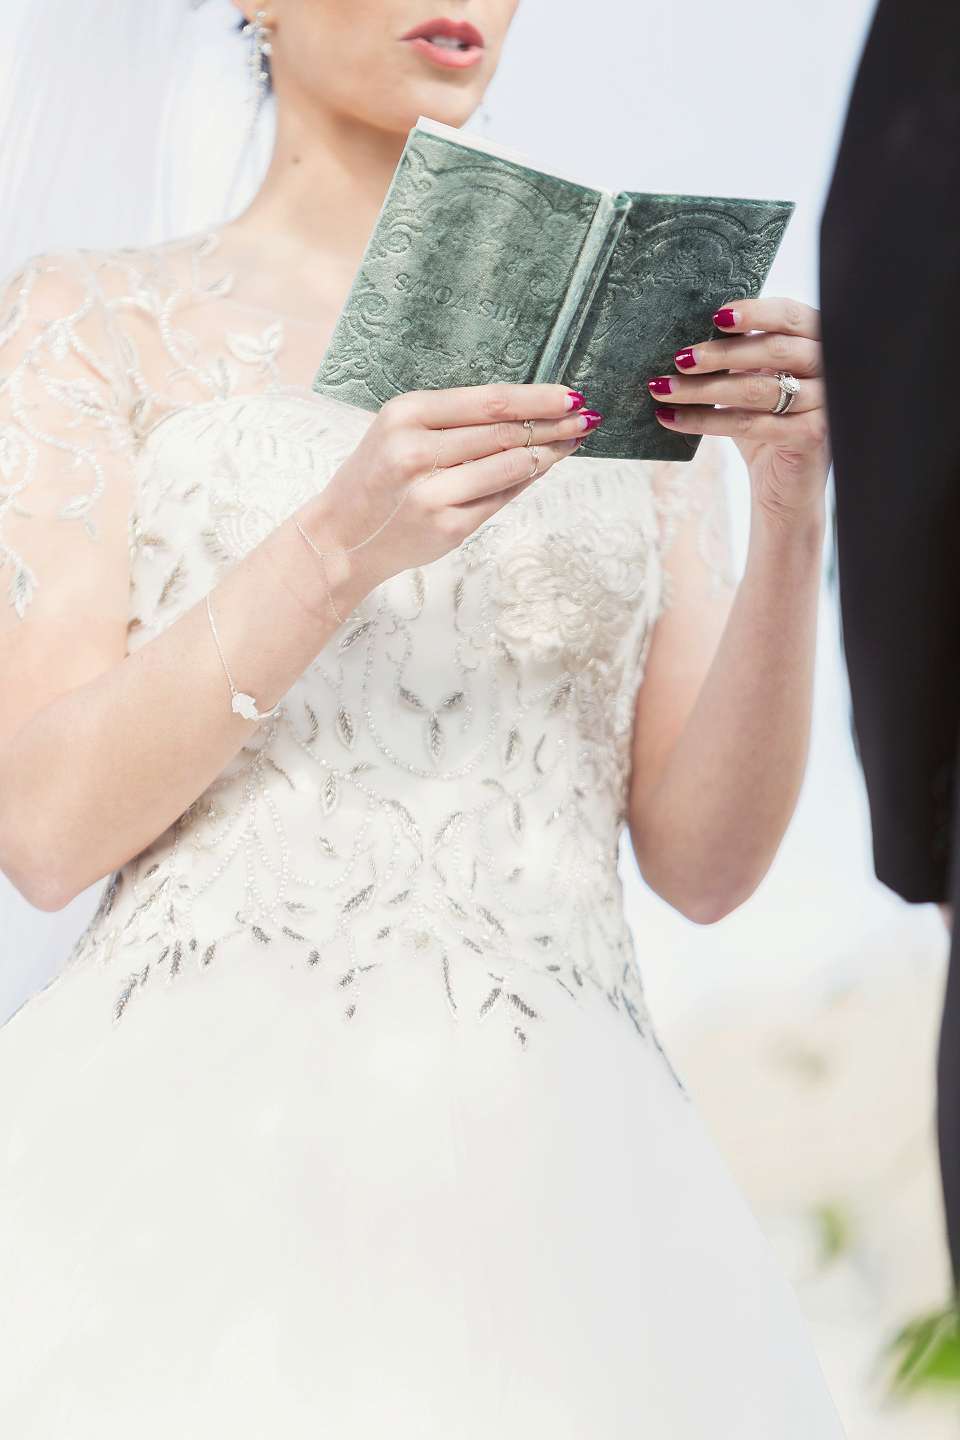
(528,426)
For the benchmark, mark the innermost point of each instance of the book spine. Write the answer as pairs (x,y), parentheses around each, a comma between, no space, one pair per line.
(602,236)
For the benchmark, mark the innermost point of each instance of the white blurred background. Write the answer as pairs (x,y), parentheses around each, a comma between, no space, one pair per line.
(806,1021)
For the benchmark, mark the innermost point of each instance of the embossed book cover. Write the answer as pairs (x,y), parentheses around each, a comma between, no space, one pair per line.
(482,267)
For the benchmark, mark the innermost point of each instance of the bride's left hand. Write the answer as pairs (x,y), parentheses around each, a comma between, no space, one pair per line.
(788,455)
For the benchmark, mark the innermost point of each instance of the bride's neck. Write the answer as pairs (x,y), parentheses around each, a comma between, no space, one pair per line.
(325,184)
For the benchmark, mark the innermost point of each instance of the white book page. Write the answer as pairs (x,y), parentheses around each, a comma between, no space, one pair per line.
(490,147)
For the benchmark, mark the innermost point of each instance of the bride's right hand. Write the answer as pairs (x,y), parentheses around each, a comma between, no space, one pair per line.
(449,459)
(93,769)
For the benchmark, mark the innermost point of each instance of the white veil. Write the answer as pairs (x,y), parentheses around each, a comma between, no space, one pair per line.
(123,122)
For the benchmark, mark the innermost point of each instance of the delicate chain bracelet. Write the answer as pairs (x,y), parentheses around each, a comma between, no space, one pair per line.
(244,704)
(323,555)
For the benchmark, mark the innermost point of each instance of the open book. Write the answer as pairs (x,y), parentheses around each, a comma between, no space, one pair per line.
(483,267)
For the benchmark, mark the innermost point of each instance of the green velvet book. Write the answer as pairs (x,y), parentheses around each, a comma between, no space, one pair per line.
(483,267)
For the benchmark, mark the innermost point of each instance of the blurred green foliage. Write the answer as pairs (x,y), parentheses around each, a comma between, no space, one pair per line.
(926,1354)
(835,1231)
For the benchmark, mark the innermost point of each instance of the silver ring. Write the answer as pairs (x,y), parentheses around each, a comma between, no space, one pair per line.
(789,390)
(535,452)
(528,426)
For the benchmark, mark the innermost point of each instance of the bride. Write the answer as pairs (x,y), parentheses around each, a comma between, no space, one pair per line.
(347,1118)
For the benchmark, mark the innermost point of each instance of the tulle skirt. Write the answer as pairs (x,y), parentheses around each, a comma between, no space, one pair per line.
(237,1213)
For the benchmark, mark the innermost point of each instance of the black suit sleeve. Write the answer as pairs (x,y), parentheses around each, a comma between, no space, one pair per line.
(891,314)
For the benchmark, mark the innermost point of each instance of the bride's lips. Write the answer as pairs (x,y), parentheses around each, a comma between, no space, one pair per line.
(447,42)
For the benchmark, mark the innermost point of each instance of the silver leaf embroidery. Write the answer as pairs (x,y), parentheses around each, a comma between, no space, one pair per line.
(491,1001)
(355,635)
(558,580)
(434,738)
(346,728)
(358,901)
(329,793)
(448,828)
(522,1006)
(507,655)
(413,702)
(491,920)
(409,826)
(516,821)
(511,749)
(173,582)
(562,692)
(22,589)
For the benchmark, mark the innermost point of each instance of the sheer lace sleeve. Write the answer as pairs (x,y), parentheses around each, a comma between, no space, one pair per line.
(695,542)
(697,590)
(65,443)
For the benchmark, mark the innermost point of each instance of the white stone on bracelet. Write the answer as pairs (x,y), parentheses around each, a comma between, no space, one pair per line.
(243,704)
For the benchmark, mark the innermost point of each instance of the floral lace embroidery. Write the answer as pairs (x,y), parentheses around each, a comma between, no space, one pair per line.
(449,776)
(696,493)
(76,412)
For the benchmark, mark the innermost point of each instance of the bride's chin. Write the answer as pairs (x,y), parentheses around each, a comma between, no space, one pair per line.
(449,106)
(446,96)
(447,109)
(392,103)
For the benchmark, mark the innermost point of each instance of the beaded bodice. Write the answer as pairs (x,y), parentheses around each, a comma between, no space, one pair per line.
(449,775)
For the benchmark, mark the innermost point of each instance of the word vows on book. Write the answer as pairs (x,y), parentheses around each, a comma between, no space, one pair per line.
(483,267)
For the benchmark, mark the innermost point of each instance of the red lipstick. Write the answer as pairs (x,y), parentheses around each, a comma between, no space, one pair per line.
(447,42)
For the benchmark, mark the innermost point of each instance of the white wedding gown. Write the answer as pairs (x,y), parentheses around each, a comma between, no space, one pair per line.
(347,1118)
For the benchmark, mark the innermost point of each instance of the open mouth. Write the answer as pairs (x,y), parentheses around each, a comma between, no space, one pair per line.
(447,42)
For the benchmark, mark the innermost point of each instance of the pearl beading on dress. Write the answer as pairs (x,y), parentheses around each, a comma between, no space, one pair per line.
(448,779)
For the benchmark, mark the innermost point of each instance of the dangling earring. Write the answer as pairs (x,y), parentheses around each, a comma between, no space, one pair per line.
(260,54)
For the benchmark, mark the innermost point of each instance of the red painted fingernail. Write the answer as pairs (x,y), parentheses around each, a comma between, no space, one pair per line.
(663,385)
(666,412)
(591,419)
(686,359)
(726,319)
(575,401)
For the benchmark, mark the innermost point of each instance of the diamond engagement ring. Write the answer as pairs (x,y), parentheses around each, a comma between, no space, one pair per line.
(528,426)
(535,452)
(789,390)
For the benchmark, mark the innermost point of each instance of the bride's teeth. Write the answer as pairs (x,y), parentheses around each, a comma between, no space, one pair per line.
(445,42)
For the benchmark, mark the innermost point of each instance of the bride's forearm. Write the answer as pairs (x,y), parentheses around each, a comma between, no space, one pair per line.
(97,774)
(706,831)
(100,772)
